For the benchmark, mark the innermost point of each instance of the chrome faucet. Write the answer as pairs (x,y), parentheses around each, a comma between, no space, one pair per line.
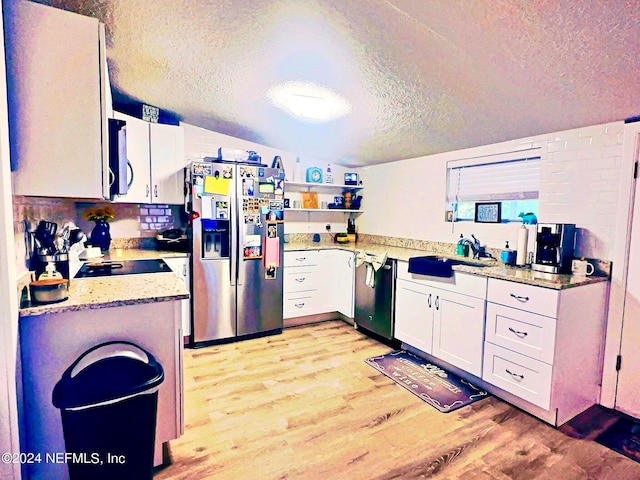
(476,248)
(471,245)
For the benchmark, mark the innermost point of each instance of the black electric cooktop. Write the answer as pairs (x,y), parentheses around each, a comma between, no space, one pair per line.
(122,267)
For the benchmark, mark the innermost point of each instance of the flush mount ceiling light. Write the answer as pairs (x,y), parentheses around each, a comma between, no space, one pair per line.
(308,101)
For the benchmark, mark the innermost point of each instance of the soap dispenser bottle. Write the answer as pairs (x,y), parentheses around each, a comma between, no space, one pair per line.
(508,256)
(328,178)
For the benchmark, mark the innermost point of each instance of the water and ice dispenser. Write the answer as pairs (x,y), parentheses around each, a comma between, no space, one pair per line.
(215,238)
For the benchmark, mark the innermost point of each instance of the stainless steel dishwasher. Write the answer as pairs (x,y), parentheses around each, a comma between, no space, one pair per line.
(375,306)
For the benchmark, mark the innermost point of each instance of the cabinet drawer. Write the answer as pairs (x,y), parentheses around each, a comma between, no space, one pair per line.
(524,377)
(543,301)
(523,332)
(299,279)
(300,258)
(298,305)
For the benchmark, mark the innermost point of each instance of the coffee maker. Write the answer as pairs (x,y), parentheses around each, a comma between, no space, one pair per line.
(554,247)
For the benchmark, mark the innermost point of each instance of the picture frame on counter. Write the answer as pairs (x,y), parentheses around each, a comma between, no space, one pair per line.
(488,212)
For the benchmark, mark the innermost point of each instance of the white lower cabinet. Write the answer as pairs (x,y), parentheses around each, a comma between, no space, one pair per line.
(518,374)
(538,348)
(300,283)
(337,281)
(180,266)
(458,330)
(543,347)
(51,342)
(442,316)
(414,316)
(520,340)
(318,281)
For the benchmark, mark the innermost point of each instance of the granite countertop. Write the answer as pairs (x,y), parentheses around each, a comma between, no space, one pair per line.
(493,268)
(139,253)
(105,292)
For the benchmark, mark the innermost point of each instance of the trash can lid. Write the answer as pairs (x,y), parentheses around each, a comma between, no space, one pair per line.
(107,372)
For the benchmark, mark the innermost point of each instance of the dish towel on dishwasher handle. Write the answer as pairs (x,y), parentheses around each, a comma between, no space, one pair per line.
(373,264)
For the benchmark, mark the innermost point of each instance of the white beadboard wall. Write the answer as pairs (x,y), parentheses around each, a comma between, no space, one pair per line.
(200,143)
(580,175)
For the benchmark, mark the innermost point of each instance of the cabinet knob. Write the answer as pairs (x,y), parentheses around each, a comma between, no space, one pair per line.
(155,191)
(300,279)
(147,190)
(519,298)
(299,305)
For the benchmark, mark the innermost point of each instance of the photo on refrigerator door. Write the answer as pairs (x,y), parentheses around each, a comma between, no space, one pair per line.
(248,172)
(275,216)
(276,204)
(222,210)
(270,272)
(248,187)
(252,247)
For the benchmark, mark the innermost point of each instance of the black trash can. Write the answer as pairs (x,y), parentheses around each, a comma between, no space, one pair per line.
(108,400)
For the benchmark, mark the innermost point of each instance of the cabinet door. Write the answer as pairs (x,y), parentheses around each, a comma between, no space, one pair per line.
(57,112)
(326,300)
(345,283)
(414,315)
(167,163)
(180,266)
(139,172)
(340,280)
(458,330)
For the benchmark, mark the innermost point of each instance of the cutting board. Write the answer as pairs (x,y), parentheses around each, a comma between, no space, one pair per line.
(309,199)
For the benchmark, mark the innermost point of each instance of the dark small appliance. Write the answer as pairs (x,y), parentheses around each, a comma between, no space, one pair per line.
(554,247)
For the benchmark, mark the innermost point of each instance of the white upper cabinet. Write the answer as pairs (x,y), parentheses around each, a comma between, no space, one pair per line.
(167,163)
(59,102)
(156,156)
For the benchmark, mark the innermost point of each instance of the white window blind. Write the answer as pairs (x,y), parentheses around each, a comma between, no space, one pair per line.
(514,176)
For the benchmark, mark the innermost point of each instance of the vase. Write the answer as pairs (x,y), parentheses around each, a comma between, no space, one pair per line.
(100,235)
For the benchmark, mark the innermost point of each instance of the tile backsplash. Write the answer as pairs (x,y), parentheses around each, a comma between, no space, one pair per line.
(132,221)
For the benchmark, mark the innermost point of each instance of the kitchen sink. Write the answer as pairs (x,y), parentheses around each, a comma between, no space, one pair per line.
(438,266)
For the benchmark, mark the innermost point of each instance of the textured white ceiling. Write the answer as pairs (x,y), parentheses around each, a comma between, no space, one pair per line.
(422,76)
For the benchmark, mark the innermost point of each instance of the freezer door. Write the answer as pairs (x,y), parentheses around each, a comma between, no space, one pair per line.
(213,293)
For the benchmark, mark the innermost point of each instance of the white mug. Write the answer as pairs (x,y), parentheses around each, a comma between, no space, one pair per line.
(581,267)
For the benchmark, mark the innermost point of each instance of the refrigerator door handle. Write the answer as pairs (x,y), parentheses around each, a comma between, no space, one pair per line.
(240,277)
(235,248)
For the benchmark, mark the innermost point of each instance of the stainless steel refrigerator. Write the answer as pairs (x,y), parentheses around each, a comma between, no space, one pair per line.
(237,230)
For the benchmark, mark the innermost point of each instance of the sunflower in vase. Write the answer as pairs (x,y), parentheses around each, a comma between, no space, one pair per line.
(104,214)
(100,235)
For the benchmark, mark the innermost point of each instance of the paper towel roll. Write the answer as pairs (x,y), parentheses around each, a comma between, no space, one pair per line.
(521,252)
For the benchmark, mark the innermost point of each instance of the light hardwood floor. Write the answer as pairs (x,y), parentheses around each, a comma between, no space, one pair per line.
(305,405)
